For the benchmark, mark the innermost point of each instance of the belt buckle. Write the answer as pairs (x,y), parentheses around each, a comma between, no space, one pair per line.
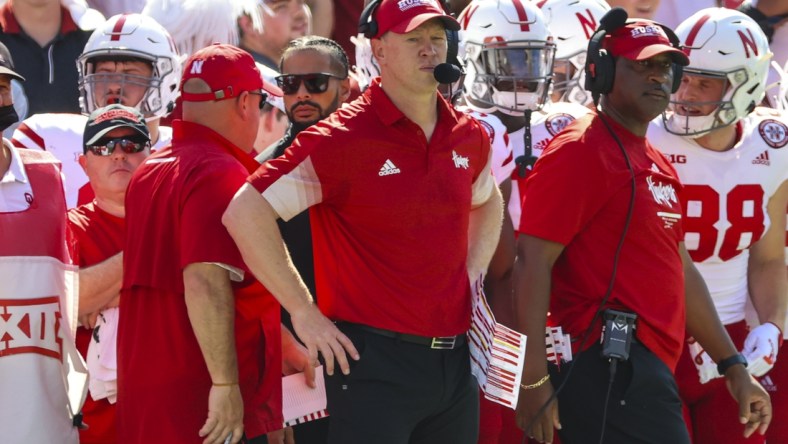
(443,343)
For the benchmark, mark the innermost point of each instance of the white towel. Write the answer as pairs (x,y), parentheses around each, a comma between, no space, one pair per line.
(102,357)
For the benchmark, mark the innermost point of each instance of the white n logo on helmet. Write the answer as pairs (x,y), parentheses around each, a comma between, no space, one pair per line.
(197,67)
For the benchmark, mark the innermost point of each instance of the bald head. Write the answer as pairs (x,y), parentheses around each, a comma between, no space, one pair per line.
(236,118)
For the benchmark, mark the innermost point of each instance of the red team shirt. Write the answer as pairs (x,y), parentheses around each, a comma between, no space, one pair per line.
(173,214)
(390,235)
(578,195)
(99,236)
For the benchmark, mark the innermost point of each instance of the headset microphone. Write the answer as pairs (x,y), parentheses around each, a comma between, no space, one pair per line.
(447,73)
(613,19)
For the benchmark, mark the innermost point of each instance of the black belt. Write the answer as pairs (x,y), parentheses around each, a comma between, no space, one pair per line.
(437,342)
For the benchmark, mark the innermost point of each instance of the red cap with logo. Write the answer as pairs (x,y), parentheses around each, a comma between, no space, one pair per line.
(641,40)
(227,69)
(403,16)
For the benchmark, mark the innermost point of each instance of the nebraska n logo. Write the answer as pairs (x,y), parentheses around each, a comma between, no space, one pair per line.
(197,67)
(587,22)
(748,43)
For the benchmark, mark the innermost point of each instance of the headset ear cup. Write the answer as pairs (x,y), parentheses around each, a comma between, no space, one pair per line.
(367,24)
(600,72)
(606,72)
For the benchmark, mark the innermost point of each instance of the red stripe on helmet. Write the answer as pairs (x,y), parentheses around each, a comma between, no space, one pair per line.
(118,28)
(694,33)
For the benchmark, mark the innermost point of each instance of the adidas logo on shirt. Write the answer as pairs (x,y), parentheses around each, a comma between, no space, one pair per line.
(762,159)
(388,169)
(768,384)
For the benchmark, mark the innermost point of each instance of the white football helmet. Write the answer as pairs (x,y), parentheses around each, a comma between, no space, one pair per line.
(726,44)
(509,55)
(366,67)
(132,36)
(572,23)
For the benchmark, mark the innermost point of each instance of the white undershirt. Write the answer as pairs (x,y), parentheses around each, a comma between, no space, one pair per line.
(15,190)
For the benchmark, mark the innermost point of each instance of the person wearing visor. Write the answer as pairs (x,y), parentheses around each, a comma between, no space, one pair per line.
(735,175)
(403,209)
(198,338)
(571,22)
(116,141)
(129,60)
(509,64)
(616,275)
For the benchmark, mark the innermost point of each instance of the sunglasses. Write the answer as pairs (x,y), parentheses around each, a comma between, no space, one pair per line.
(315,83)
(263,97)
(128,146)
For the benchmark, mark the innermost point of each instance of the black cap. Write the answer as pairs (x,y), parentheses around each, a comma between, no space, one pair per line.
(7,64)
(108,118)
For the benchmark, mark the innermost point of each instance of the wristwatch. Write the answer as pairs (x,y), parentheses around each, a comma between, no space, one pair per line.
(729,362)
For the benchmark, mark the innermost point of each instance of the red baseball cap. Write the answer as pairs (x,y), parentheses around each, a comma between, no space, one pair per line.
(403,16)
(640,40)
(227,69)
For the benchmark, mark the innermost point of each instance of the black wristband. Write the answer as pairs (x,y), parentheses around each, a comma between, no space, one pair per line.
(729,362)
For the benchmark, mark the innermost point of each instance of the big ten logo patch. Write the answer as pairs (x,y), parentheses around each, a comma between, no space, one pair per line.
(774,133)
(555,123)
(30,326)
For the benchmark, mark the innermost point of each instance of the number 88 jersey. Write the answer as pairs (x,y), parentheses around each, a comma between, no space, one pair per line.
(724,200)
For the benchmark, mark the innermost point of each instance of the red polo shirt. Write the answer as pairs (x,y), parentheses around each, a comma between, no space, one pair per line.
(389,212)
(174,206)
(578,195)
(99,236)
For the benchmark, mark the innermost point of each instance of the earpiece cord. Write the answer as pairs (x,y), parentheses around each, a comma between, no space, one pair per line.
(589,329)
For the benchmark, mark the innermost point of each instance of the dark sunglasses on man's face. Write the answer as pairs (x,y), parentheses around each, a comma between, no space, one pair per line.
(315,83)
(128,146)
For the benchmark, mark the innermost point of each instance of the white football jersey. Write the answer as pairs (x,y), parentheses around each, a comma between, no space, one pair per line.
(545,124)
(61,135)
(724,198)
(502,159)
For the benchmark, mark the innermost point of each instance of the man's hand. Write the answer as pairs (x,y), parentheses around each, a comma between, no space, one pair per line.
(295,358)
(321,335)
(282,436)
(761,347)
(225,415)
(89,320)
(528,407)
(755,407)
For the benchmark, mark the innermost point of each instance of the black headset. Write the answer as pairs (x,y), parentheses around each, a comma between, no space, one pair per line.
(600,68)
(448,73)
(367,24)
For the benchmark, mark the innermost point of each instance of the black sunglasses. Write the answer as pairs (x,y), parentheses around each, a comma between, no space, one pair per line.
(263,97)
(315,83)
(128,146)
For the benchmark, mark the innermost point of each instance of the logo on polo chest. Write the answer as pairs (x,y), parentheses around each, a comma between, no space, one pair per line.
(663,194)
(460,161)
(388,168)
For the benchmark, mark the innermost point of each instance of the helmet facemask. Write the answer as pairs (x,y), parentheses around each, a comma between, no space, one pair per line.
(683,123)
(568,79)
(115,84)
(512,76)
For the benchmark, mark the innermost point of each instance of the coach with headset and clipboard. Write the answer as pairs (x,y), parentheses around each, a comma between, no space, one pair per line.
(602,250)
